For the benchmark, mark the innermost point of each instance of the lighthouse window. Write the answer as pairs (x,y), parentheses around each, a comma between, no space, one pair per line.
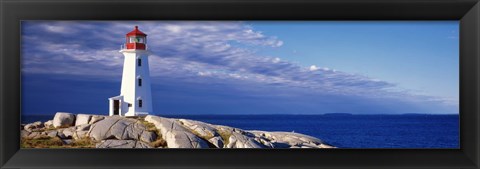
(139,103)
(135,39)
(139,82)
(139,62)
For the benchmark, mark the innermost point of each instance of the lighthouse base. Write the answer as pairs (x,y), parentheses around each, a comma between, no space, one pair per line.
(141,114)
(118,107)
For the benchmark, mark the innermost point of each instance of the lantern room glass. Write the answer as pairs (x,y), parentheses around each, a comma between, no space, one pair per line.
(136,39)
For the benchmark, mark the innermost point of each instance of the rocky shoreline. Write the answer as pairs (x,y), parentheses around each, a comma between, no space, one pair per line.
(69,130)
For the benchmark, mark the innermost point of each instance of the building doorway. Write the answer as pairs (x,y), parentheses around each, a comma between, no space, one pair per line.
(116,107)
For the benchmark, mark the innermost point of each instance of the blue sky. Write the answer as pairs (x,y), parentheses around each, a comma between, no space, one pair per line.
(261,67)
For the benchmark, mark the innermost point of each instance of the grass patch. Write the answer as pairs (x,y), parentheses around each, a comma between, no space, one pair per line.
(160,142)
(44,129)
(225,136)
(55,142)
(150,126)
(42,142)
(198,134)
(82,143)
(49,128)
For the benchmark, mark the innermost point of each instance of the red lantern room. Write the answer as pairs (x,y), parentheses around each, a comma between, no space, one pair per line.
(136,39)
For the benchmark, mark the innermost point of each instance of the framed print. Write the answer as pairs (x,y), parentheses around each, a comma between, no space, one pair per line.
(242,84)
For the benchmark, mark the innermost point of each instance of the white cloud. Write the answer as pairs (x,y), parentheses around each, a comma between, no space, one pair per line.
(276,60)
(313,68)
(204,73)
(55,29)
(279,43)
(173,28)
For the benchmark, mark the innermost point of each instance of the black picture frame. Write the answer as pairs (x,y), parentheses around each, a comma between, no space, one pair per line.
(14,11)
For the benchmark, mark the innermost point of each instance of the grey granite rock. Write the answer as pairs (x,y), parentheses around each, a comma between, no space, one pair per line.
(67,141)
(237,140)
(148,136)
(118,128)
(63,119)
(82,119)
(101,130)
(37,135)
(216,141)
(175,134)
(61,135)
(24,133)
(96,118)
(291,139)
(35,126)
(140,144)
(204,130)
(52,133)
(83,127)
(134,131)
(34,134)
(69,132)
(48,124)
(323,145)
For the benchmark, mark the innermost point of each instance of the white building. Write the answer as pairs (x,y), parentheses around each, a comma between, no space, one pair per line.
(135,97)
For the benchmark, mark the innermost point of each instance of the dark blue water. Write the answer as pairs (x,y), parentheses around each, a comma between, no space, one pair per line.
(345,131)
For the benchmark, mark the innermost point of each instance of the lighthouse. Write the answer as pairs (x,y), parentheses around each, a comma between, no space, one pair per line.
(135,97)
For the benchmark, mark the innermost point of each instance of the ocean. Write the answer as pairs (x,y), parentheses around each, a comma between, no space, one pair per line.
(344,130)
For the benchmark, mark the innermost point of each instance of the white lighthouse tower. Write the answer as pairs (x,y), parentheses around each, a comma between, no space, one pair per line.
(135,97)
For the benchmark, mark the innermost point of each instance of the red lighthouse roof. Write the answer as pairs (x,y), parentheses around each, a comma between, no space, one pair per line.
(136,32)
